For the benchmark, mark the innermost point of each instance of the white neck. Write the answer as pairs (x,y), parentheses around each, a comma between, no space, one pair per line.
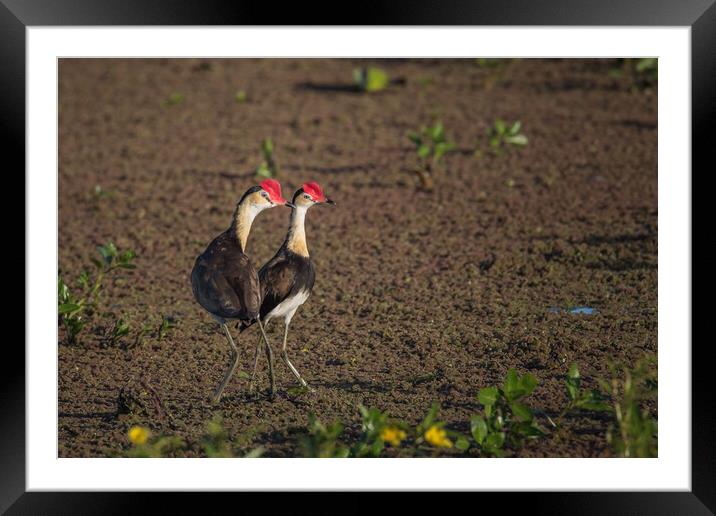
(296,238)
(243,219)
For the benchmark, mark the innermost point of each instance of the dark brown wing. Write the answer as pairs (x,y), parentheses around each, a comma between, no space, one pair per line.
(277,279)
(225,282)
(284,276)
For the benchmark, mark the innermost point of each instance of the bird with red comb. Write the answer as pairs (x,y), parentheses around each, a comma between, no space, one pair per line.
(224,281)
(287,279)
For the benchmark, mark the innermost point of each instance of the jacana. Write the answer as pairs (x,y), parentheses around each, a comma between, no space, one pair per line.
(224,281)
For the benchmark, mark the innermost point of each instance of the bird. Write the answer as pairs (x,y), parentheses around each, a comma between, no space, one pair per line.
(287,279)
(223,280)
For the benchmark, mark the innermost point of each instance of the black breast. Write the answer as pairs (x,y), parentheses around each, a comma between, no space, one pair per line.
(284,276)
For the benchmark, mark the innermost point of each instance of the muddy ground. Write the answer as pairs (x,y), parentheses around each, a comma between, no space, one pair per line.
(419,296)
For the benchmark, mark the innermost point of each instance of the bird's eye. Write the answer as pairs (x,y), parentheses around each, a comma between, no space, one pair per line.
(306,196)
(265,194)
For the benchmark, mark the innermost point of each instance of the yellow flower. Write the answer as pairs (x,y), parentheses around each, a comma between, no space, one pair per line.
(438,437)
(392,435)
(138,434)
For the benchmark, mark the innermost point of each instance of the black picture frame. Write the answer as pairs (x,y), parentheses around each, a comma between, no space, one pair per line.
(17,15)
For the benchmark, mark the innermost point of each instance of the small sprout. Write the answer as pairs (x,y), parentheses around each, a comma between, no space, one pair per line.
(268,167)
(174,99)
(75,311)
(642,74)
(215,441)
(431,145)
(166,325)
(101,193)
(322,441)
(370,79)
(506,419)
(120,329)
(502,134)
(634,433)
(241,96)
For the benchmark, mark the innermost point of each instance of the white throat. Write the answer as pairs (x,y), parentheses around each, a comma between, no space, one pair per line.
(296,239)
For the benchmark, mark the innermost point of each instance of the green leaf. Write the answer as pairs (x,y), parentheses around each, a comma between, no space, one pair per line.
(495,440)
(573,371)
(519,140)
(429,418)
(521,411)
(376,80)
(424,151)
(437,133)
(462,444)
(488,396)
(68,308)
(512,385)
(415,138)
(478,428)
(500,127)
(263,170)
(83,280)
(63,292)
(515,129)
(240,96)
(108,252)
(528,383)
(527,429)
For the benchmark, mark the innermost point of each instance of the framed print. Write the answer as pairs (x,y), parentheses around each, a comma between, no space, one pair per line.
(455,243)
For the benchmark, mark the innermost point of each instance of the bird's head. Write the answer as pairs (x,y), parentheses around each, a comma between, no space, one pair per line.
(266,195)
(309,195)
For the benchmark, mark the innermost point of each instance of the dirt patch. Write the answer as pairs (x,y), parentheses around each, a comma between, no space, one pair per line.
(418,297)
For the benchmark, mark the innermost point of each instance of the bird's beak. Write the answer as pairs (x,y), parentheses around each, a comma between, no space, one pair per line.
(329,202)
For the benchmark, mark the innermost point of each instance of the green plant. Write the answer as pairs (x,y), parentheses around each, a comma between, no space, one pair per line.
(166,325)
(431,145)
(119,329)
(634,433)
(174,99)
(215,441)
(370,79)
(241,96)
(322,441)
(641,73)
(101,193)
(377,429)
(502,134)
(581,399)
(506,419)
(268,167)
(70,311)
(74,311)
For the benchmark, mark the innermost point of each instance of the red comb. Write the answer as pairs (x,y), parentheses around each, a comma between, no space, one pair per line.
(273,188)
(314,190)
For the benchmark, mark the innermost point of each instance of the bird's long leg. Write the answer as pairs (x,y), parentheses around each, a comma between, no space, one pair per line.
(231,369)
(269,355)
(256,363)
(284,356)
